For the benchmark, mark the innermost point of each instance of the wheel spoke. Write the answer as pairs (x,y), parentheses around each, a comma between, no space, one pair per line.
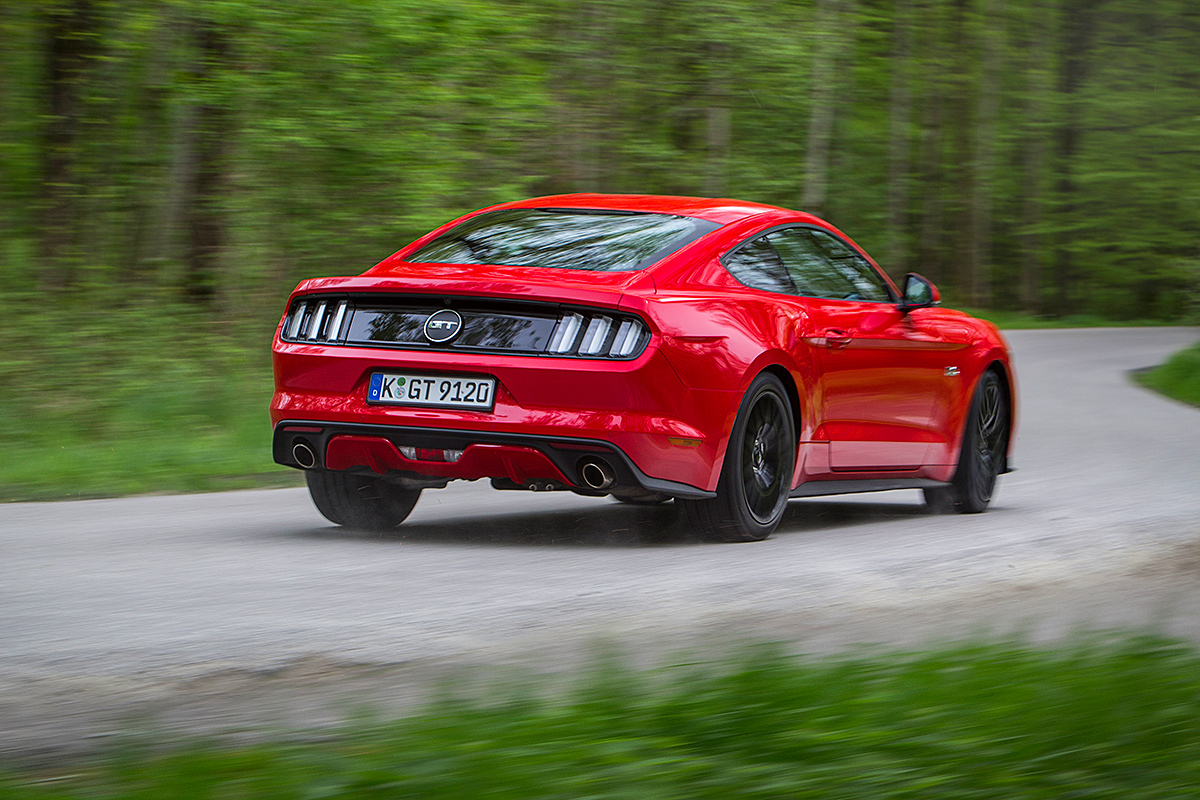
(989,410)
(763,458)
(990,424)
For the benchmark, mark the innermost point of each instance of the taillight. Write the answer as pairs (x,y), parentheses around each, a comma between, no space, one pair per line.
(598,335)
(315,320)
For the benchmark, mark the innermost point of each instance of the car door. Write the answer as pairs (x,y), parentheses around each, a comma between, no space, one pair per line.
(883,372)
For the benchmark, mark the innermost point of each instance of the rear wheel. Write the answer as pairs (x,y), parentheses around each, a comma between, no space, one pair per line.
(757,474)
(983,452)
(359,501)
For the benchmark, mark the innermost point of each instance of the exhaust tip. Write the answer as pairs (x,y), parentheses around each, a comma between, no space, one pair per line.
(597,474)
(304,455)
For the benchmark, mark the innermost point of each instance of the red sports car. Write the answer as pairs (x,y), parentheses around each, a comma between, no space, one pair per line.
(725,354)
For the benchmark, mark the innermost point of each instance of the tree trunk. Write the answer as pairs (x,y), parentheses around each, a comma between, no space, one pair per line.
(960,133)
(206,222)
(984,160)
(1033,158)
(1077,23)
(931,184)
(70,32)
(718,124)
(899,143)
(820,121)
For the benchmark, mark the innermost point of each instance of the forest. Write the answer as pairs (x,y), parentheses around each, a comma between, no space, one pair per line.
(170,169)
(1035,155)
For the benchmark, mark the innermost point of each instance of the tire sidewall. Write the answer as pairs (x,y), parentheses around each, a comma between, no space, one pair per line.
(731,485)
(360,501)
(970,498)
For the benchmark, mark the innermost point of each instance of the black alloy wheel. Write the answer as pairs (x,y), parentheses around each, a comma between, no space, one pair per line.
(982,459)
(360,501)
(756,477)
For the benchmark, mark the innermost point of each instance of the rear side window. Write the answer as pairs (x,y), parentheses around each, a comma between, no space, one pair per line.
(823,266)
(758,266)
(856,270)
(564,238)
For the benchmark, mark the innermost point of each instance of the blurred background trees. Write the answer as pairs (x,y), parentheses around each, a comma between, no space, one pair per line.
(1041,155)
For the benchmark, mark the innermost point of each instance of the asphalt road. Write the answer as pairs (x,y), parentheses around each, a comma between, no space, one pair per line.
(231,611)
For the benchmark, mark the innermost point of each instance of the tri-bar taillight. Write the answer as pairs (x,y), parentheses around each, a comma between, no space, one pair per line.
(527,329)
(598,335)
(315,320)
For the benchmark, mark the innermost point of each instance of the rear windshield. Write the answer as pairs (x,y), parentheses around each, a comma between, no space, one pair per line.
(567,238)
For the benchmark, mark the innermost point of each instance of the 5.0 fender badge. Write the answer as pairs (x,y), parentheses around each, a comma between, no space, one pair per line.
(443,326)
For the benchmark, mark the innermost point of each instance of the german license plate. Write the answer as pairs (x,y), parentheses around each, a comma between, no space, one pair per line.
(437,391)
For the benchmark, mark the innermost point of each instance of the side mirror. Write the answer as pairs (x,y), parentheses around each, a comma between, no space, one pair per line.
(919,293)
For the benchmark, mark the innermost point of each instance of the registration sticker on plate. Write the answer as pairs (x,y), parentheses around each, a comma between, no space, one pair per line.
(437,391)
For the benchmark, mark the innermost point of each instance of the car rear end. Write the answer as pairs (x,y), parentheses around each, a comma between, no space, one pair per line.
(569,389)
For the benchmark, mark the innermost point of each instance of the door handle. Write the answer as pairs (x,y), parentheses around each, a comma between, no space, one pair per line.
(836,338)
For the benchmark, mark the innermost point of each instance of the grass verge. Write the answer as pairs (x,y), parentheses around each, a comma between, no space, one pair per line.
(102,399)
(1178,377)
(1104,720)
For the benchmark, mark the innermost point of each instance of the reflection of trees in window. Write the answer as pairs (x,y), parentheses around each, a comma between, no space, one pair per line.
(822,266)
(566,239)
(392,326)
(507,333)
(811,269)
(834,248)
(480,329)
(757,265)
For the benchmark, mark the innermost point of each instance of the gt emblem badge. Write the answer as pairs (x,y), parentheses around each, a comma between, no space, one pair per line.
(443,326)
(951,372)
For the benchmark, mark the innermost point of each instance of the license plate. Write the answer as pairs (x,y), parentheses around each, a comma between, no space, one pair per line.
(438,391)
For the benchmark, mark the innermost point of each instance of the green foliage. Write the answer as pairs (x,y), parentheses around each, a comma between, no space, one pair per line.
(344,130)
(104,396)
(1179,377)
(997,721)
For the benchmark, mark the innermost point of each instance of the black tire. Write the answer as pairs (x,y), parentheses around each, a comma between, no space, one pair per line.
(985,442)
(360,501)
(756,477)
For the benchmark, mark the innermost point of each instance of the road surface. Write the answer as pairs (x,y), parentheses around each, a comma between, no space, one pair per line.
(234,611)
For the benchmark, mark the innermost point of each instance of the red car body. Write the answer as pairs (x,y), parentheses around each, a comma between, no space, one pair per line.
(880,392)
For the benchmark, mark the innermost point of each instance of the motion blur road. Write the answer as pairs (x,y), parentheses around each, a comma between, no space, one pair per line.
(231,611)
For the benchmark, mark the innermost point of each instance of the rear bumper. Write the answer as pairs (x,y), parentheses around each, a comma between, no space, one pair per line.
(666,433)
(520,458)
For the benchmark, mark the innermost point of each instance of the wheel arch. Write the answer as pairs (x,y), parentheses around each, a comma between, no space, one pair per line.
(989,362)
(791,390)
(793,395)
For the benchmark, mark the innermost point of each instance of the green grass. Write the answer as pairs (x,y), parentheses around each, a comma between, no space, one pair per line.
(1179,377)
(101,399)
(1115,720)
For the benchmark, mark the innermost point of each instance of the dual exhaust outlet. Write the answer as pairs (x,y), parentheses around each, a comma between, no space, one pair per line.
(595,473)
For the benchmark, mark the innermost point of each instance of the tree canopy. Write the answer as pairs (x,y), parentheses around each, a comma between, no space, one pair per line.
(1028,154)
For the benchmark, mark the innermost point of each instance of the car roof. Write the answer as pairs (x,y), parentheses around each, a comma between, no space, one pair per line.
(719,210)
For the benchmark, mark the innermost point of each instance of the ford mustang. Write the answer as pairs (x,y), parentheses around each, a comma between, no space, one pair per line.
(725,355)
